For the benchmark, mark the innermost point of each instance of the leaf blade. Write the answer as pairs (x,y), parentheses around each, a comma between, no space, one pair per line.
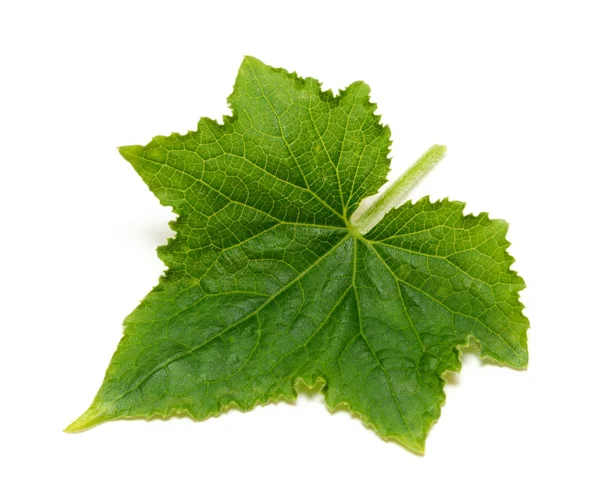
(269,284)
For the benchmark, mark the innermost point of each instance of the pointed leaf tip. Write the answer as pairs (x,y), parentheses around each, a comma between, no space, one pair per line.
(416,446)
(252,60)
(94,416)
(133,154)
(128,152)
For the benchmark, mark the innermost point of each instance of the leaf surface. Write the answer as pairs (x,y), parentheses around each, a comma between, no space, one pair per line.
(269,283)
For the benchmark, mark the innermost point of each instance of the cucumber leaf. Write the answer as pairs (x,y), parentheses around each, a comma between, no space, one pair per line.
(272,280)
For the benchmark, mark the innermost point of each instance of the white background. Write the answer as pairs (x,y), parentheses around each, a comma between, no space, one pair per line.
(512,88)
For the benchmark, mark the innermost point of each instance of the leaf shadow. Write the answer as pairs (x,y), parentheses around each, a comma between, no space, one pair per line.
(155,233)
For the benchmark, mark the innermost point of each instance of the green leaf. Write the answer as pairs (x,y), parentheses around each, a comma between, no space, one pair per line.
(270,282)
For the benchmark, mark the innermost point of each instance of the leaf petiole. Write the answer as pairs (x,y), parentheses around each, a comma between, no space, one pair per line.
(391,196)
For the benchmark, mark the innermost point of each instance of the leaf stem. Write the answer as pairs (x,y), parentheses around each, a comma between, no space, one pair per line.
(391,196)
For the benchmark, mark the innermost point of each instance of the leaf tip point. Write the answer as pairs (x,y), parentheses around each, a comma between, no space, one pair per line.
(128,150)
(75,427)
(92,417)
(417,447)
(251,60)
